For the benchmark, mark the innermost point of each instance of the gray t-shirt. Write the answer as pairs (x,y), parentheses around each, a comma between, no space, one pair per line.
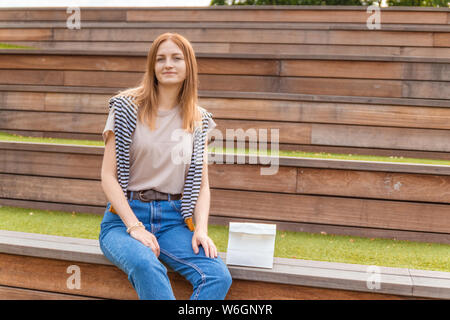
(159,159)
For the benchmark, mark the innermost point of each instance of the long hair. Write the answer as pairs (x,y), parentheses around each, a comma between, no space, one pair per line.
(145,94)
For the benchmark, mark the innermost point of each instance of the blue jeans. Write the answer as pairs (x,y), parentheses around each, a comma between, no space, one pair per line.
(209,277)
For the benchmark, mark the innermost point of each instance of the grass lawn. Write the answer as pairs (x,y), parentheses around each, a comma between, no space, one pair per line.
(321,155)
(13,46)
(299,245)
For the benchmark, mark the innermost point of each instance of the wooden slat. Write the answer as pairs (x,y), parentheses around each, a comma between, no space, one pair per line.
(261,50)
(82,192)
(322,274)
(317,228)
(358,212)
(347,14)
(58,14)
(11,293)
(53,121)
(419,89)
(50,164)
(380,137)
(55,62)
(301,68)
(432,284)
(365,70)
(331,210)
(374,185)
(245,95)
(250,109)
(342,37)
(345,87)
(110,282)
(441,40)
(51,275)
(26,34)
(59,150)
(294,15)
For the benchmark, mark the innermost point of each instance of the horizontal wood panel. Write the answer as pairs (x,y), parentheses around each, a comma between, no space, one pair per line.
(293,15)
(281,225)
(67,62)
(12,293)
(380,137)
(26,34)
(55,101)
(382,185)
(57,14)
(270,206)
(344,87)
(342,37)
(301,68)
(250,109)
(291,133)
(63,165)
(252,159)
(365,69)
(51,275)
(416,15)
(75,191)
(244,83)
(331,210)
(53,121)
(109,282)
(274,50)
(133,64)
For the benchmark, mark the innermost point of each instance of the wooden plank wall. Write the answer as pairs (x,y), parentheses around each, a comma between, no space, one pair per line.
(319,76)
(402,201)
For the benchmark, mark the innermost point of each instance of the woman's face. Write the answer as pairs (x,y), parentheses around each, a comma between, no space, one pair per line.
(170,67)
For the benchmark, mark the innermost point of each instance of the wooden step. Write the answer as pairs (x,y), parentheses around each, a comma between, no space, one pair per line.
(301,191)
(318,37)
(35,254)
(317,14)
(255,50)
(374,79)
(420,126)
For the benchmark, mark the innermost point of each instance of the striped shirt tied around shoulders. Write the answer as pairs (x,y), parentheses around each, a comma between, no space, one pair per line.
(125,119)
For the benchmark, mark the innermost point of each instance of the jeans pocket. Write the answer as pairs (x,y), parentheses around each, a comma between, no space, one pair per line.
(176,205)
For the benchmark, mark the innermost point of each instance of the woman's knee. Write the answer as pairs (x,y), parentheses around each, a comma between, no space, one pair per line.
(219,275)
(146,264)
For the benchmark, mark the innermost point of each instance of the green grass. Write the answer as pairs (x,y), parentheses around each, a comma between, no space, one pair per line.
(319,155)
(14,137)
(13,46)
(297,245)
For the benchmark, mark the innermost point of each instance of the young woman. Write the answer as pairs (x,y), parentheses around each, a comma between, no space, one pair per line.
(152,195)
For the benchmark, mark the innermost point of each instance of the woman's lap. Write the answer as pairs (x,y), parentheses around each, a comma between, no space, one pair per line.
(209,276)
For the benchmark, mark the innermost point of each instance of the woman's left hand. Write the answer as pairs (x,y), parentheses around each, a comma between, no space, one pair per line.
(201,238)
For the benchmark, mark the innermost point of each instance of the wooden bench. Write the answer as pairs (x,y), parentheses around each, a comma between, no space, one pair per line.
(410,118)
(316,73)
(39,266)
(363,198)
(337,30)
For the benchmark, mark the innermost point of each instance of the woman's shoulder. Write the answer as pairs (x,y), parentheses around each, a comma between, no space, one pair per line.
(120,101)
(205,113)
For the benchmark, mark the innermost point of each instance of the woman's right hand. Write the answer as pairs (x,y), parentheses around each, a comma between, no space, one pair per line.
(147,238)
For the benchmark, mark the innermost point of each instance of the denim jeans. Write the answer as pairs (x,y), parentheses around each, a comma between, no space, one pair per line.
(209,277)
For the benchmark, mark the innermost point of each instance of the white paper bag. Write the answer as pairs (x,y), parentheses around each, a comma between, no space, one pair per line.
(251,244)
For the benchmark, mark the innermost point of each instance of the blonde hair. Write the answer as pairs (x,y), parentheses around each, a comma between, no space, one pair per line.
(145,94)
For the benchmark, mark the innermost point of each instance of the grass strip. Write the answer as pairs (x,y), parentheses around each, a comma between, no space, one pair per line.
(14,46)
(318,155)
(288,244)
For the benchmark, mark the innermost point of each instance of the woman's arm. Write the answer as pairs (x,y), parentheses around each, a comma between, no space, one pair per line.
(201,213)
(115,195)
